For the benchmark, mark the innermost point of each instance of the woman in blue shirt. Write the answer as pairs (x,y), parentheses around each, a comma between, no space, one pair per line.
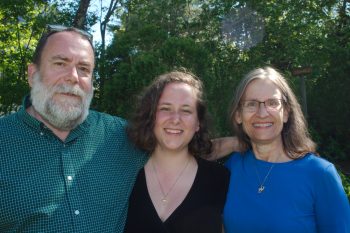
(278,183)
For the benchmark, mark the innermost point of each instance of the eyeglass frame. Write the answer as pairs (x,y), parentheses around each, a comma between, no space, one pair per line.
(257,107)
(53,28)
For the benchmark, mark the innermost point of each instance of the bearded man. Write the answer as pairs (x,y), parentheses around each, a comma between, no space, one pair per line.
(63,167)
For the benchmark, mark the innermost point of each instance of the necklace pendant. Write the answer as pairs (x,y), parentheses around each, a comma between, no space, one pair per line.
(261,189)
(164,201)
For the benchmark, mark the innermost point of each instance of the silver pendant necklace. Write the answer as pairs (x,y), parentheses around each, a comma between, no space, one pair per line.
(165,195)
(262,183)
(261,187)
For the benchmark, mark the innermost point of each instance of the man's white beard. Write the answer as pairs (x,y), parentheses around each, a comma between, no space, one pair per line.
(61,114)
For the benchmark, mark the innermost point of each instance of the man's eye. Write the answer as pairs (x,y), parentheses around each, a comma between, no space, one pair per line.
(85,69)
(59,64)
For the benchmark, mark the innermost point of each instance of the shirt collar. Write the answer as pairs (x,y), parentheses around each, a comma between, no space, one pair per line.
(39,126)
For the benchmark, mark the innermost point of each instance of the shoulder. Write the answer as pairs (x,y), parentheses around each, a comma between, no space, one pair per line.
(236,158)
(214,175)
(213,168)
(106,122)
(112,130)
(321,171)
(8,123)
(7,118)
(315,163)
(106,118)
(107,126)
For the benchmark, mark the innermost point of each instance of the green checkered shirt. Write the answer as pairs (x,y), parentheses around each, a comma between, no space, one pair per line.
(79,185)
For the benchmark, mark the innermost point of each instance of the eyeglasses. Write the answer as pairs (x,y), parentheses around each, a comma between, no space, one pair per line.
(52,28)
(254,105)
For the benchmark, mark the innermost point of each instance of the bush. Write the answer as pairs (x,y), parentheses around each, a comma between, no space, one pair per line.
(346,184)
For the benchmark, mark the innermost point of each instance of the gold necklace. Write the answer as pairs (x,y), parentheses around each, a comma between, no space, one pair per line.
(165,195)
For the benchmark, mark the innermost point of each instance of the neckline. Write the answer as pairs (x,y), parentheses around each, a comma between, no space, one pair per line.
(268,164)
(179,207)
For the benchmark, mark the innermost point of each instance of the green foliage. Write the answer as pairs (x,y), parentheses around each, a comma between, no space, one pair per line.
(18,33)
(329,96)
(346,184)
(158,36)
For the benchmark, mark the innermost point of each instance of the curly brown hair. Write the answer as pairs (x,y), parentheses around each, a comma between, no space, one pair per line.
(140,128)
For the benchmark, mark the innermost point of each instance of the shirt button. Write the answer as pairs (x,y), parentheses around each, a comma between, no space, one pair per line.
(69,178)
(77,212)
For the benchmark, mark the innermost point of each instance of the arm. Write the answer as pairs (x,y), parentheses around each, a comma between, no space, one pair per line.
(332,206)
(222,147)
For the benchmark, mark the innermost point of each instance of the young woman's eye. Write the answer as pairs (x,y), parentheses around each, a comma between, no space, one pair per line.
(164,109)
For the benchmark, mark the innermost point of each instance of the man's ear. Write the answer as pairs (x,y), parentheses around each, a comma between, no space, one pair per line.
(32,69)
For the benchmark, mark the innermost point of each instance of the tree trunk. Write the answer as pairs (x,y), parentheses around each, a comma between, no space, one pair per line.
(80,16)
(103,27)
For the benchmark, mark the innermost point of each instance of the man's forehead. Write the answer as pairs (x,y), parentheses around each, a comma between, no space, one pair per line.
(67,45)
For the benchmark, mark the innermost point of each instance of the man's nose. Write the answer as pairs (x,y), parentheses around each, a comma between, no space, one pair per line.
(72,75)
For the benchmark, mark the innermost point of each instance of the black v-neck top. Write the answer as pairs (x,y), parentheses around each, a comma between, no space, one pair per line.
(200,212)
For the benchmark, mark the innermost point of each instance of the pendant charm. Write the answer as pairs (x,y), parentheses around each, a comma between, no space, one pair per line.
(164,201)
(261,189)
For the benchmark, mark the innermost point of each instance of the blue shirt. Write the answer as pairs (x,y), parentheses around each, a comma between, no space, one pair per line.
(300,196)
(79,185)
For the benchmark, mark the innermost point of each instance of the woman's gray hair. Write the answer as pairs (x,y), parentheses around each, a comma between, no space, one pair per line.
(295,136)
